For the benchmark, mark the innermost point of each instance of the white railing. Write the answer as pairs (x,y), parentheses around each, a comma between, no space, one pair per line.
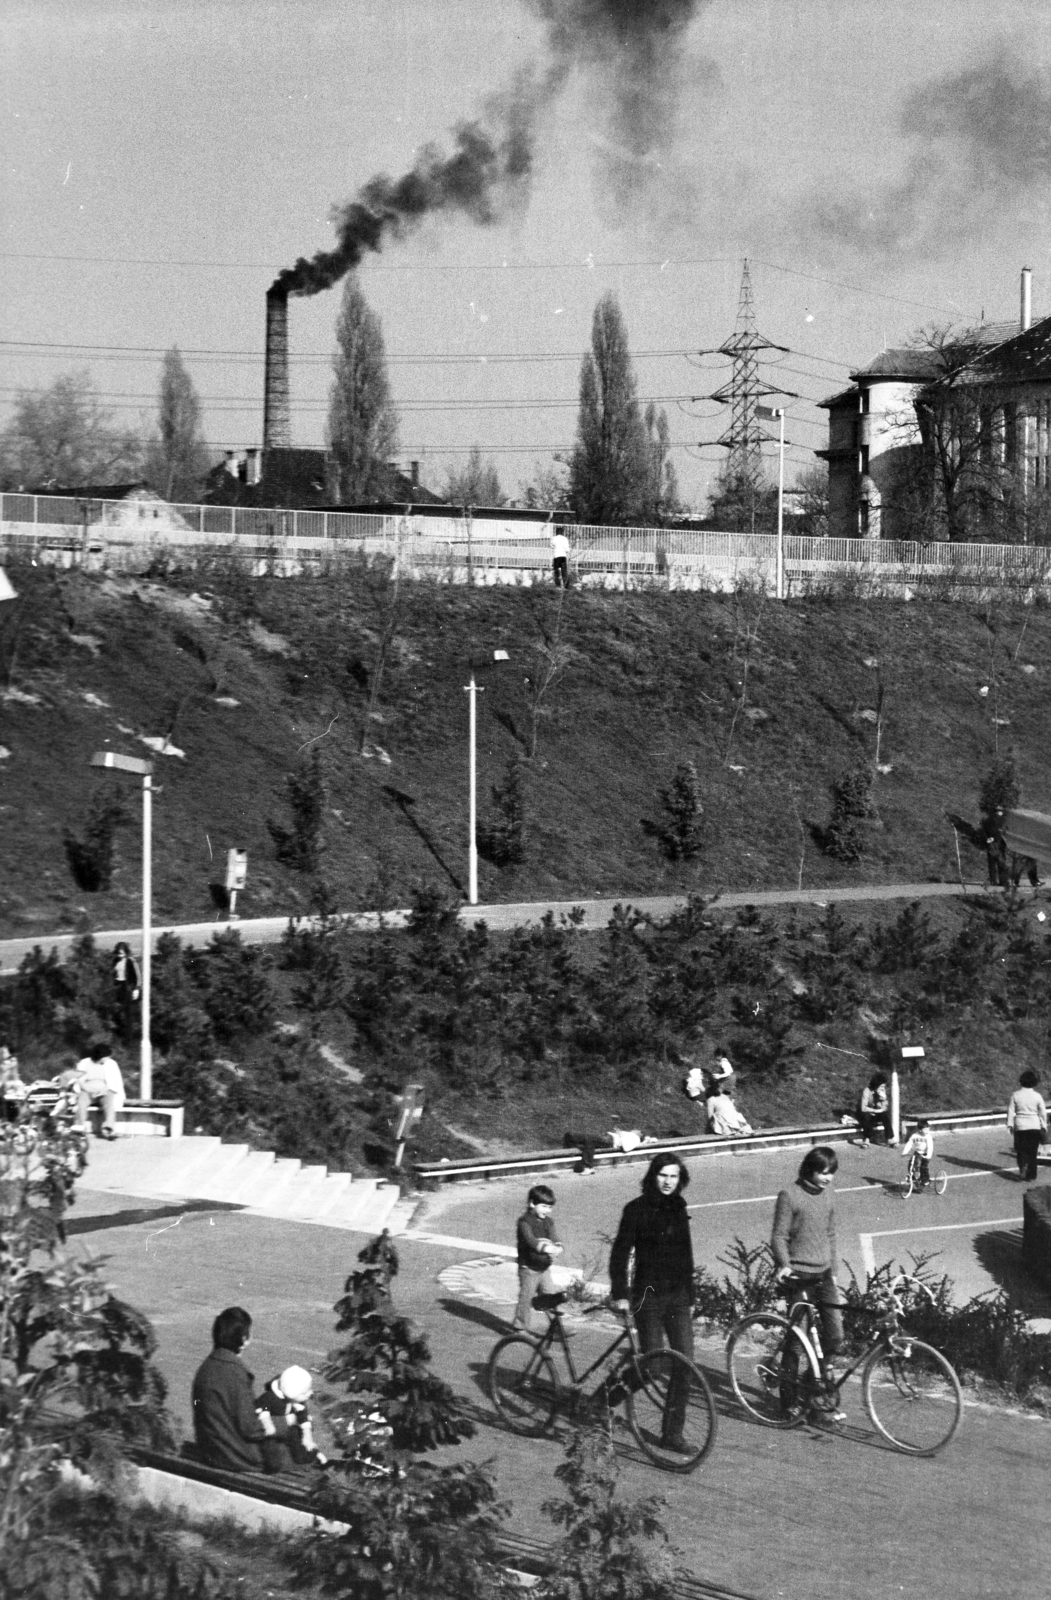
(134,534)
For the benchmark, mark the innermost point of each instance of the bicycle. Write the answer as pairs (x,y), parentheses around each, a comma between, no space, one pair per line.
(657,1385)
(912,1182)
(911,1393)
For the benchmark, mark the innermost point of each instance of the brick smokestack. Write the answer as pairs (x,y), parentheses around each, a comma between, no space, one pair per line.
(277,425)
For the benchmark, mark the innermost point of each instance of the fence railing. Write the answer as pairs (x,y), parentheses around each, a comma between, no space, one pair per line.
(135,533)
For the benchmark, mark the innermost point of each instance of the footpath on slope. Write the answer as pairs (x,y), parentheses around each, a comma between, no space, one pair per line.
(501,918)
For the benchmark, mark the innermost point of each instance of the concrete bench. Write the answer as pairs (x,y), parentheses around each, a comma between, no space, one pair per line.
(161,1119)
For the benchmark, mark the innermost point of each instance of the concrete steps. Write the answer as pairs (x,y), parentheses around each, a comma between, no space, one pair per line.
(201,1167)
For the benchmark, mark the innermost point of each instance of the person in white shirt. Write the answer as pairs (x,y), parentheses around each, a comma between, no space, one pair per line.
(724,1118)
(1027,1121)
(560,558)
(97,1078)
(921,1144)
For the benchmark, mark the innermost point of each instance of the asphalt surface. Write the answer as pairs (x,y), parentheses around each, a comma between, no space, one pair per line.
(808,1515)
(596,915)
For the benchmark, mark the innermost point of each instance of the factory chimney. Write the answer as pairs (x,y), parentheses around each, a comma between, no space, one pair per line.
(1027,300)
(277,425)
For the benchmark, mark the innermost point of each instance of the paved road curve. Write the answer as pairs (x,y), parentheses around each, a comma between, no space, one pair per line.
(597,913)
(811,1515)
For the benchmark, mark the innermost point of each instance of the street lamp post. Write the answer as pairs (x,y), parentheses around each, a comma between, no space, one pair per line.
(143,769)
(770,412)
(472,692)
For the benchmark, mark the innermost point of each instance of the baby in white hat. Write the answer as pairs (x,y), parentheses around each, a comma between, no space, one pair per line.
(287,1396)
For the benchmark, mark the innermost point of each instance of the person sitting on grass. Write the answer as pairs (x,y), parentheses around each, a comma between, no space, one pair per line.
(724,1119)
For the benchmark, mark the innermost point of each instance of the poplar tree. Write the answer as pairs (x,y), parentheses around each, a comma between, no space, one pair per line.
(362,423)
(476,483)
(611,465)
(177,459)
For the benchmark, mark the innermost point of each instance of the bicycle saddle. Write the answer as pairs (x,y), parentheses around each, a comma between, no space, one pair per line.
(548,1302)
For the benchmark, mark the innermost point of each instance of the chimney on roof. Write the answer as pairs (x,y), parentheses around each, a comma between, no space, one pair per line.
(230,463)
(1027,299)
(253,461)
(414,473)
(277,426)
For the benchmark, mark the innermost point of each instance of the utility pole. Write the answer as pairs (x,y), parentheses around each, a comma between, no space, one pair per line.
(743,439)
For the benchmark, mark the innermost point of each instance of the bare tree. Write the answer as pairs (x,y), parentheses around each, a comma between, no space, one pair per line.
(611,465)
(61,437)
(812,484)
(967,479)
(476,483)
(177,459)
(362,423)
(552,655)
(548,489)
(662,483)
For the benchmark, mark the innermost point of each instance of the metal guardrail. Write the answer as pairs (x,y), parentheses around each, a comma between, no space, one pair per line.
(430,1173)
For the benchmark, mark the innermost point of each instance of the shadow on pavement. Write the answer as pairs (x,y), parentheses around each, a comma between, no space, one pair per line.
(965,1164)
(130,1218)
(1000,1253)
(476,1314)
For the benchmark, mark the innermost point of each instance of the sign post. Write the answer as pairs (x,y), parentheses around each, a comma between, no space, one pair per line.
(909,1052)
(236,874)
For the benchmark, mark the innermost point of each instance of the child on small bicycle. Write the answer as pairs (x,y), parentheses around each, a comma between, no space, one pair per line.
(921,1145)
(804,1249)
(538,1247)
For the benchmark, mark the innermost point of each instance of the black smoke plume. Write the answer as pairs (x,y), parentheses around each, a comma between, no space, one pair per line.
(631,47)
(981,145)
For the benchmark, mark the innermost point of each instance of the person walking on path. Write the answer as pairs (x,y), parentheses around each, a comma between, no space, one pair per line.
(654,1234)
(127,982)
(874,1110)
(804,1249)
(1027,1121)
(538,1247)
(560,558)
(229,1430)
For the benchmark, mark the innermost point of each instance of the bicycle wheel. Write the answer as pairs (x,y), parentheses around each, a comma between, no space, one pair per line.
(771,1390)
(523,1385)
(913,1396)
(940,1180)
(908,1183)
(671,1410)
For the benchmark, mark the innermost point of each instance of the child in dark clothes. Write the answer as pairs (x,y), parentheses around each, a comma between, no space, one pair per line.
(286,1397)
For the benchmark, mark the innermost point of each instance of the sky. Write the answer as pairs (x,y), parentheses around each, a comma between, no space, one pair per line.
(882,167)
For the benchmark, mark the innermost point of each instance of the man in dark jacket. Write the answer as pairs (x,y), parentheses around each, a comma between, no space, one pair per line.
(228,1428)
(656,1228)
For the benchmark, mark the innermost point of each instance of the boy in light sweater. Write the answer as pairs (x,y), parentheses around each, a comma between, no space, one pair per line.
(804,1248)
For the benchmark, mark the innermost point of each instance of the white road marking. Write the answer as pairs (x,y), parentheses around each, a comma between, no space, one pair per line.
(868,1255)
(453,1242)
(876,1185)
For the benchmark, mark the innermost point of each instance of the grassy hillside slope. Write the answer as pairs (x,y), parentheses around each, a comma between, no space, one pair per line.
(518,1039)
(770,702)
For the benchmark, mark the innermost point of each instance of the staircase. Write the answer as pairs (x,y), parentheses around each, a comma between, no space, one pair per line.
(204,1168)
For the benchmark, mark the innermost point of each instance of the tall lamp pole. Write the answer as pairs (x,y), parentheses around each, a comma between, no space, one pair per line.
(770,412)
(472,692)
(143,769)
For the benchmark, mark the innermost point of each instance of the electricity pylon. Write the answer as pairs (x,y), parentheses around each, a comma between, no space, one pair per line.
(744,437)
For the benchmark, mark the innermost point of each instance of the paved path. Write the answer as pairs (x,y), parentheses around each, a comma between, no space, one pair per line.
(597,914)
(808,1516)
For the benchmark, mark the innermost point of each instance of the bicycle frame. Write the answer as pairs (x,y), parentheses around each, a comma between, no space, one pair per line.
(803,1321)
(556,1334)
